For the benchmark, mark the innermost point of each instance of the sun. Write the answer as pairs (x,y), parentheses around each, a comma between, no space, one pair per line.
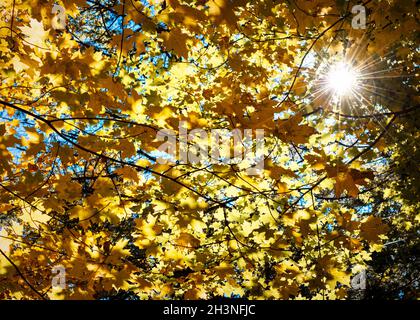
(341,79)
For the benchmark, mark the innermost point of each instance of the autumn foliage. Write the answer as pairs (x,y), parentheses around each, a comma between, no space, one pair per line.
(84,92)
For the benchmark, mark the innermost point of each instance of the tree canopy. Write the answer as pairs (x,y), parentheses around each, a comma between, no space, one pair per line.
(87,85)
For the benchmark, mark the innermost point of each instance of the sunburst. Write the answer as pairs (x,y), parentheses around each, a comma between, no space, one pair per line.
(354,84)
(342,79)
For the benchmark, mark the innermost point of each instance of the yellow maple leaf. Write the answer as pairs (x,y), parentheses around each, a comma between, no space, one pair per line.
(371,229)
(35,33)
(176,40)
